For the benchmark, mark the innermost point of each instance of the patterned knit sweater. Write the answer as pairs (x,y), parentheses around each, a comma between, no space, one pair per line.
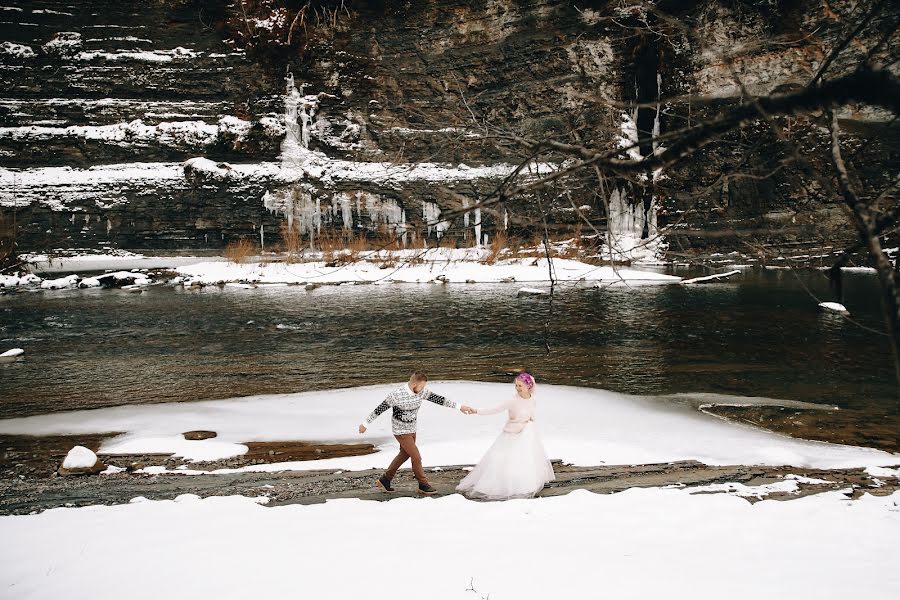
(405,408)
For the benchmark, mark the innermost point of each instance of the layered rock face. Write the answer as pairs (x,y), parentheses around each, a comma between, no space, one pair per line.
(186,125)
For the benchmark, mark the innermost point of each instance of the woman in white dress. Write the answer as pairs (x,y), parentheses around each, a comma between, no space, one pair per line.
(516,465)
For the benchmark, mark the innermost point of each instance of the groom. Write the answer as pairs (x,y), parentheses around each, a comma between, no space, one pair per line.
(405,403)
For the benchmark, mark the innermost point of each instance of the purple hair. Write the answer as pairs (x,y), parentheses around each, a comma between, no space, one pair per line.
(526,378)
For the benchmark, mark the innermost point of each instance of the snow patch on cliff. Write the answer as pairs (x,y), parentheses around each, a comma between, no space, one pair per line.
(17,50)
(136,133)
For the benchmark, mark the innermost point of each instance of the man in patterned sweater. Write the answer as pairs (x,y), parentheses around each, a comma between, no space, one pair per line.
(404,404)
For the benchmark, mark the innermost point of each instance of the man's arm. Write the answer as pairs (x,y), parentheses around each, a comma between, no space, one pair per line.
(385,404)
(441,401)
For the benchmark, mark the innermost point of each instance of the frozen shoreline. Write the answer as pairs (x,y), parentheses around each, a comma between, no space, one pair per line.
(824,544)
(581,426)
(433,265)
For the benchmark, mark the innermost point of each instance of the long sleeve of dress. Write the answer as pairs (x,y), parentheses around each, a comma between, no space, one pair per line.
(493,410)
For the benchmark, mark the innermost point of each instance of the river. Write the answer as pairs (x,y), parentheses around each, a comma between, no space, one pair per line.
(758,335)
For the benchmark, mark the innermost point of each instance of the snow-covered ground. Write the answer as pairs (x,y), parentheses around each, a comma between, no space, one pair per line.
(580,425)
(641,543)
(695,543)
(420,266)
(423,265)
(120,260)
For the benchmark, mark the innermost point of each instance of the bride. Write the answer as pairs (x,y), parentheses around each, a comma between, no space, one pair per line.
(516,465)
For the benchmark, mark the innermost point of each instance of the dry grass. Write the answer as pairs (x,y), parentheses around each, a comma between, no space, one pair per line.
(386,240)
(498,243)
(357,244)
(292,242)
(344,248)
(240,250)
(447,241)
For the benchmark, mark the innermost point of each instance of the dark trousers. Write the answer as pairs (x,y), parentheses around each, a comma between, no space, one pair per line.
(408,449)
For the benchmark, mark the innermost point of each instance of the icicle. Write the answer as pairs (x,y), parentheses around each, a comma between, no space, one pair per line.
(403,226)
(477,226)
(341,204)
(466,215)
(431,213)
(505,219)
(656,118)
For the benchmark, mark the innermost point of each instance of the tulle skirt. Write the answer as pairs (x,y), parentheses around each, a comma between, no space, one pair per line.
(515,466)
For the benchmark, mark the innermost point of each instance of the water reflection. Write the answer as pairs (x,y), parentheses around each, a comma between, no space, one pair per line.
(759,336)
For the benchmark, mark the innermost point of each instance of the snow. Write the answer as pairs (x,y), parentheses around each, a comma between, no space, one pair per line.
(19,50)
(525,291)
(637,544)
(69,281)
(120,260)
(883,472)
(714,277)
(80,457)
(833,307)
(152,56)
(12,353)
(789,485)
(136,132)
(580,425)
(411,266)
(64,43)
(17,280)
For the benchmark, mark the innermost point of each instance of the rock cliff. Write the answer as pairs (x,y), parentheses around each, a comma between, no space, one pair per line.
(180,124)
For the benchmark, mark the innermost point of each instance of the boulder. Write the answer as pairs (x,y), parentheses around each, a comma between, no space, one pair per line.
(531,292)
(199,435)
(833,307)
(81,461)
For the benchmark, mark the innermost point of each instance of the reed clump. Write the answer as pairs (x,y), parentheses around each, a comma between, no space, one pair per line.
(291,241)
(240,250)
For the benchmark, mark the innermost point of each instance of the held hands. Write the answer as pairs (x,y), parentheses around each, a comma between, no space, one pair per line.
(362,428)
(468,410)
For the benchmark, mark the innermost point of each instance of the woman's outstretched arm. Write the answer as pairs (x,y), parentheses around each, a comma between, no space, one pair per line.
(493,410)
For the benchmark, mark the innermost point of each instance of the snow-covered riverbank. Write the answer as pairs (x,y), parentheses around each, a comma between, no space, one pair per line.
(434,265)
(580,544)
(580,425)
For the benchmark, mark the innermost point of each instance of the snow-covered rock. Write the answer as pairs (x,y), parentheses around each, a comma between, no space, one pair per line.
(123,279)
(11,355)
(18,50)
(69,281)
(10,281)
(526,291)
(834,307)
(81,461)
(64,43)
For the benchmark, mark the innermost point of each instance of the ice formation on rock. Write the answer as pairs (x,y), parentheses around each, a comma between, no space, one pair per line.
(431,213)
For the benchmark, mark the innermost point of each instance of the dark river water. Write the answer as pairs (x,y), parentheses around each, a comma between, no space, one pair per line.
(758,335)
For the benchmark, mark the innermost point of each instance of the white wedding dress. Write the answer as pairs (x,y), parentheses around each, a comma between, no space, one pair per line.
(516,465)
